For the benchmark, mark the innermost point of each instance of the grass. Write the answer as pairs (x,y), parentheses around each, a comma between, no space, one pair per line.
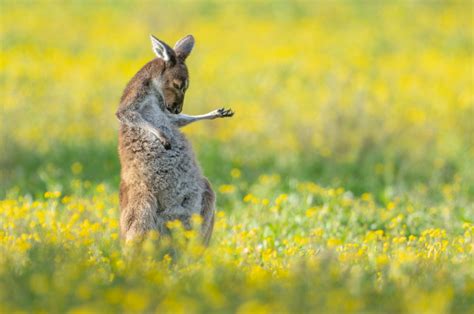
(344,182)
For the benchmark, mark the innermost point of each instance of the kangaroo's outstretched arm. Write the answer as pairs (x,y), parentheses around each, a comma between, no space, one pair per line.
(132,116)
(181,120)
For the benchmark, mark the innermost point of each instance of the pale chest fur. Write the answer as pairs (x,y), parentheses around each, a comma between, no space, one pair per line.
(172,175)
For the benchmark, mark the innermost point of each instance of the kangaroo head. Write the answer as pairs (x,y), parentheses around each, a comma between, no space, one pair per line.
(174,79)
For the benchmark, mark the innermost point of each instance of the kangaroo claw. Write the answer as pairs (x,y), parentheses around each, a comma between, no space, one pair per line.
(166,145)
(225,112)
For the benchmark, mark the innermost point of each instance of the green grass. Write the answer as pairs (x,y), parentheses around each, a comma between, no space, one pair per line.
(345,181)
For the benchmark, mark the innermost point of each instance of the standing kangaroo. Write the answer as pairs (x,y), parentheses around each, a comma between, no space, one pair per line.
(160,177)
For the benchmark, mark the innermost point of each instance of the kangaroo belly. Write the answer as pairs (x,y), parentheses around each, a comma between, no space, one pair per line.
(171,175)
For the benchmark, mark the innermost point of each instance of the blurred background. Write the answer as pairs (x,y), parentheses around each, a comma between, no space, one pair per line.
(374,96)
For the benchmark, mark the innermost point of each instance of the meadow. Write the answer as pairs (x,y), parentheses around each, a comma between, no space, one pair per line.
(345,181)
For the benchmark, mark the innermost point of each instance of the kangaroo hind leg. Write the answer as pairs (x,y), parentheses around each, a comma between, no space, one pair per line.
(139,213)
(207,212)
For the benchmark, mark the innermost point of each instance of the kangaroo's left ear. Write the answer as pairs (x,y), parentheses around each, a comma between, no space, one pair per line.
(183,47)
(162,50)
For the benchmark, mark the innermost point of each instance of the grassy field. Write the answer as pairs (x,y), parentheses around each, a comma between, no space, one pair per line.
(345,181)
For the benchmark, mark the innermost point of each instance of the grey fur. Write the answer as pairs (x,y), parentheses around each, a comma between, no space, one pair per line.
(160,177)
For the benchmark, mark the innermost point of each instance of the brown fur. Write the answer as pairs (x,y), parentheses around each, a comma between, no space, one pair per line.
(160,177)
(207,212)
(138,86)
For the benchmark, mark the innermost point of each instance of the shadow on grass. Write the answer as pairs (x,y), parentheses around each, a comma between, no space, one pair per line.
(24,171)
(33,172)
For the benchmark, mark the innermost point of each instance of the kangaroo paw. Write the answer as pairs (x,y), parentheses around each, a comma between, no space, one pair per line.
(225,112)
(166,143)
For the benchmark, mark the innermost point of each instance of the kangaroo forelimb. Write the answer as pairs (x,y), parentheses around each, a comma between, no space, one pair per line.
(181,120)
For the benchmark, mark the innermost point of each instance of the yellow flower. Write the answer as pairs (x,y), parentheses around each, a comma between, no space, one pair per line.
(76,168)
(135,301)
(114,295)
(280,199)
(52,195)
(366,197)
(310,212)
(235,173)
(390,206)
(333,242)
(381,260)
(250,198)
(318,232)
(227,188)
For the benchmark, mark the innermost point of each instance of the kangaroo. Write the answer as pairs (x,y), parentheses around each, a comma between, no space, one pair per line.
(160,177)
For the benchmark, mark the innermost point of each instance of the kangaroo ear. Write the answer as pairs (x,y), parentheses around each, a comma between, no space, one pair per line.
(183,47)
(162,50)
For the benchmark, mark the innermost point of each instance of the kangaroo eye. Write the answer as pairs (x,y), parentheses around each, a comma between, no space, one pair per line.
(177,84)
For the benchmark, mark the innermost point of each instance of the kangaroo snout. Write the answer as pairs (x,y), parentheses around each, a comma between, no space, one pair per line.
(177,108)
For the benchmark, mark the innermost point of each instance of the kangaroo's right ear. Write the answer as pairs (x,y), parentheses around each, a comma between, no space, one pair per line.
(183,47)
(162,50)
